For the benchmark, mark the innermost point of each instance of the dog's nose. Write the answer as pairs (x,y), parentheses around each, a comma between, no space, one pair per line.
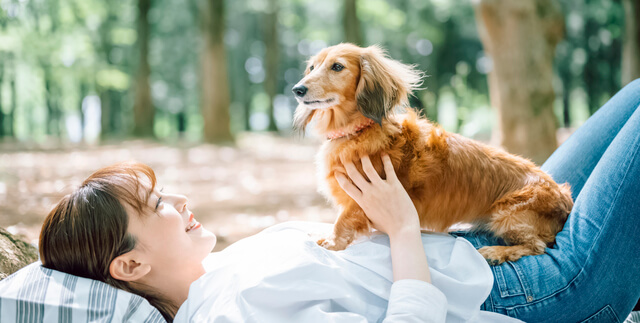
(300,90)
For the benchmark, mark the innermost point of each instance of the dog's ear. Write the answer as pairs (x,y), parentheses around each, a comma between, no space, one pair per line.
(384,83)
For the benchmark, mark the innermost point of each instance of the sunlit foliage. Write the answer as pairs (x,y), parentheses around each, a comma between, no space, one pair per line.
(61,61)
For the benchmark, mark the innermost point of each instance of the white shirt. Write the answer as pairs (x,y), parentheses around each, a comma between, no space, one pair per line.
(282,275)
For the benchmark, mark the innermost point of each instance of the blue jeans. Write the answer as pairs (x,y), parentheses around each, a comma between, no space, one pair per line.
(592,273)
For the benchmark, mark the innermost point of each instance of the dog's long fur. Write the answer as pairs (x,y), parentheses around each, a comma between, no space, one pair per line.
(450,178)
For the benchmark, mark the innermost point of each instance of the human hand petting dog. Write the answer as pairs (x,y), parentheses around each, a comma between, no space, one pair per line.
(385,202)
(387,205)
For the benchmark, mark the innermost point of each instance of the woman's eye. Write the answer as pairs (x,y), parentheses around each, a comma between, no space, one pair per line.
(337,67)
(159,199)
(311,68)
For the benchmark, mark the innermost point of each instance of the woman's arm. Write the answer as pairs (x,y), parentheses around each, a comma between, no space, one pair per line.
(390,209)
(386,203)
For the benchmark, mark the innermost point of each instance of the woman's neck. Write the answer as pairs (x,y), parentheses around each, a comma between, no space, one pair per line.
(173,286)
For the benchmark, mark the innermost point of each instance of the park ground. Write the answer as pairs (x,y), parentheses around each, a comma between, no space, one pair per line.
(234,191)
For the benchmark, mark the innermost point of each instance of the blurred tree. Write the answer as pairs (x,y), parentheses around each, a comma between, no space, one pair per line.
(241,22)
(520,37)
(631,43)
(272,56)
(14,97)
(51,97)
(143,110)
(3,59)
(175,47)
(47,25)
(110,97)
(91,47)
(588,60)
(215,98)
(84,91)
(2,118)
(351,24)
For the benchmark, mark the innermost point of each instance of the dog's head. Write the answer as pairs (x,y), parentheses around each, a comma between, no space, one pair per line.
(345,82)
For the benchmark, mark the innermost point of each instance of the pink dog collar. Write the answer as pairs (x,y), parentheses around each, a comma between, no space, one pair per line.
(343,132)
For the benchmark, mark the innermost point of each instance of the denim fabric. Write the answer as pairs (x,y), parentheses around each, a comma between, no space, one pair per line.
(592,273)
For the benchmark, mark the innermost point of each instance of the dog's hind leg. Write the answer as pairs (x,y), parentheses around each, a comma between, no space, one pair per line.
(523,220)
(519,232)
(522,242)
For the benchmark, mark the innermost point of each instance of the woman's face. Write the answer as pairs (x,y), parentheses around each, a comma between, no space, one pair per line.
(170,238)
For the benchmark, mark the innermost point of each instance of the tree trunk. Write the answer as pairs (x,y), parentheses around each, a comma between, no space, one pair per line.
(84,90)
(181,121)
(271,58)
(239,83)
(53,111)
(591,75)
(13,105)
(351,24)
(631,43)
(143,111)
(14,254)
(116,123)
(108,104)
(2,59)
(105,115)
(566,107)
(520,37)
(215,98)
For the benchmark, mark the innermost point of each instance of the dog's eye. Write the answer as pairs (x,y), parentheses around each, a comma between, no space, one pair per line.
(337,67)
(311,68)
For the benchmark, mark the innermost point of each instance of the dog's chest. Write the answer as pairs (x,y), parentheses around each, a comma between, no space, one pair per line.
(323,170)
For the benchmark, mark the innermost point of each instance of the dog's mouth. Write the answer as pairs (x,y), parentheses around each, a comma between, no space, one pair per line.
(307,108)
(319,101)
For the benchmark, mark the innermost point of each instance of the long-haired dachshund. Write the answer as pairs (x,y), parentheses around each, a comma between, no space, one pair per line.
(350,94)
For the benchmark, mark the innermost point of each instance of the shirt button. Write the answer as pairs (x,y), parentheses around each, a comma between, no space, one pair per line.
(529,298)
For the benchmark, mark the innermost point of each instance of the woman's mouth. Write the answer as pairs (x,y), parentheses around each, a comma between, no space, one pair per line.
(192,225)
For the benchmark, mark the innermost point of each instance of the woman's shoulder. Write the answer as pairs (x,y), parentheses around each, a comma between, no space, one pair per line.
(305,226)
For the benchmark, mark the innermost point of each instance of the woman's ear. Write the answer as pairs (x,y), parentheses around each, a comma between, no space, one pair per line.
(384,83)
(125,267)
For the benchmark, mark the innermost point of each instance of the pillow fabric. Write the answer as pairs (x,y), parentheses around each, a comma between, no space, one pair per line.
(38,294)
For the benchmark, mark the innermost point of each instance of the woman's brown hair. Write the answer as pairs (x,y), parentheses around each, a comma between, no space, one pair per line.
(87,229)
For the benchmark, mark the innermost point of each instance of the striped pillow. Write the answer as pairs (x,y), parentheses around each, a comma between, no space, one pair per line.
(38,294)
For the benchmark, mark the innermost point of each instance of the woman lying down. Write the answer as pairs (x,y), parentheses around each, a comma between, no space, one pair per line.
(119,228)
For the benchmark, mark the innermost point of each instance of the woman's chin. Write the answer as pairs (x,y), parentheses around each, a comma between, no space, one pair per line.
(208,239)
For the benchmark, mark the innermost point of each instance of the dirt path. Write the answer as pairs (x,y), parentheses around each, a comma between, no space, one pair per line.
(234,192)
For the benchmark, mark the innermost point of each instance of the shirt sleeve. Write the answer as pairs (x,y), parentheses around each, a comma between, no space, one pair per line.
(415,301)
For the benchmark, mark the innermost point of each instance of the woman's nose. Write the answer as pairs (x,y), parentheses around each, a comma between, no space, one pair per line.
(180,202)
(183,202)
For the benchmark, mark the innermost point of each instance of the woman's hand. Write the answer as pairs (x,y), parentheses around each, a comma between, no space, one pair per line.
(389,207)
(385,202)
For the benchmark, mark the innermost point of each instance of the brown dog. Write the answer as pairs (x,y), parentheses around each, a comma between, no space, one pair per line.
(350,93)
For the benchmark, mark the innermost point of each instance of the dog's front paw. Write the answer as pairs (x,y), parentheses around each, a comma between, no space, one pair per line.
(331,244)
(326,243)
